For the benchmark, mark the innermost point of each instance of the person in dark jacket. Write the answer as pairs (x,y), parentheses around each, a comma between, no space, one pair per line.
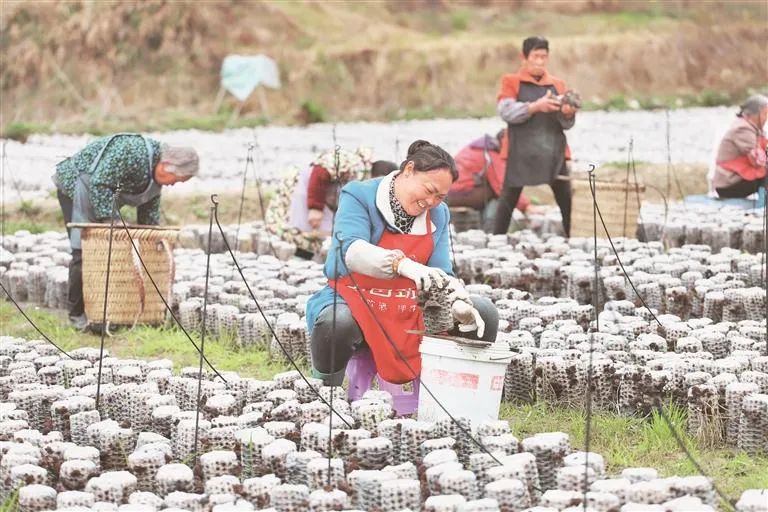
(531,103)
(124,168)
(481,169)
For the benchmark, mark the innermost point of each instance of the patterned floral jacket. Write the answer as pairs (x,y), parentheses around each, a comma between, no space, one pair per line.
(124,163)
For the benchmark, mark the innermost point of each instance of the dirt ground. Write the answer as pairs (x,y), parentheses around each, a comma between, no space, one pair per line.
(194,208)
(96,66)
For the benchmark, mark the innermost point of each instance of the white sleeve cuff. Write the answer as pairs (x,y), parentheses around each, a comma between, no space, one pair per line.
(365,258)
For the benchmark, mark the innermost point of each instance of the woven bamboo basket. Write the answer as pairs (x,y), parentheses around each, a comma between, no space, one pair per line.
(131,298)
(619,204)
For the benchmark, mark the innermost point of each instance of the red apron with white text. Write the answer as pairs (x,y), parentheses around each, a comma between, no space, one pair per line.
(394,304)
(743,167)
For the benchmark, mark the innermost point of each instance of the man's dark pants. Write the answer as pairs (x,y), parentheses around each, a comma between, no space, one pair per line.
(75,296)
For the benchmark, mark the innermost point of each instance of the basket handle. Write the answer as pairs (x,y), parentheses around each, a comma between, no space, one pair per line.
(168,247)
(138,276)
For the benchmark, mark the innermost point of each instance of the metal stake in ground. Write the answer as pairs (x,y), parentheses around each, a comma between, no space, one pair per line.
(248,161)
(596,294)
(203,328)
(765,250)
(261,198)
(2,198)
(336,165)
(333,353)
(106,294)
(596,301)
(626,189)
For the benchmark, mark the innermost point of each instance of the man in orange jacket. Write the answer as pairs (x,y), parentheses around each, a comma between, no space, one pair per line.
(481,175)
(531,103)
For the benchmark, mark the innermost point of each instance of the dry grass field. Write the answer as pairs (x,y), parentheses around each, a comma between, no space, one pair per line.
(98,66)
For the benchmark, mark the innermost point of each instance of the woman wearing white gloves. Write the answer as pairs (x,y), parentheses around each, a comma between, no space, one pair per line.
(391,239)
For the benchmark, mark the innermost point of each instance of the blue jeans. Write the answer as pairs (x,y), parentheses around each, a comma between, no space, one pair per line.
(348,337)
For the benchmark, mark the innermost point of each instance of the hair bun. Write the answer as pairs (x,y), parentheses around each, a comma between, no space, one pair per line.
(416,146)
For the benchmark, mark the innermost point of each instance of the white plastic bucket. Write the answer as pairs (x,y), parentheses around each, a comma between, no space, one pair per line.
(468,381)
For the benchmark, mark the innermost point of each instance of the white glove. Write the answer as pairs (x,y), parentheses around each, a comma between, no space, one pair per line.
(468,317)
(456,291)
(422,275)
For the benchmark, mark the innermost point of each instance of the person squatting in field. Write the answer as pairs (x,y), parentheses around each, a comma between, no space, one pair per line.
(301,210)
(741,158)
(390,242)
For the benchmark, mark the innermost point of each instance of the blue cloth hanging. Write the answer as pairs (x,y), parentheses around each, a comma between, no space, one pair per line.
(241,74)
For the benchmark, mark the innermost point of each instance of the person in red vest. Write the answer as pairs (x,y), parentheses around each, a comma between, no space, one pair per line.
(481,169)
(740,163)
(537,109)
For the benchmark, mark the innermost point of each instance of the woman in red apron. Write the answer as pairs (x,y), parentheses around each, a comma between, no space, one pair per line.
(391,240)
(741,157)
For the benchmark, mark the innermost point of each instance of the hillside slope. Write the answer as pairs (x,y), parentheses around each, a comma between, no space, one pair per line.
(152,63)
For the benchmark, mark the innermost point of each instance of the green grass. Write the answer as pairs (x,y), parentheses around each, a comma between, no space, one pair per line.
(20,131)
(11,503)
(311,111)
(631,441)
(143,342)
(430,112)
(160,121)
(44,213)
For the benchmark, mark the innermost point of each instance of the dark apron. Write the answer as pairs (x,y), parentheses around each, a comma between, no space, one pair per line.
(82,209)
(537,146)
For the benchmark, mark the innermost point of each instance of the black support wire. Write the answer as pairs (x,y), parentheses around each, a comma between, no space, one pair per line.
(596,305)
(214,209)
(400,355)
(681,444)
(269,324)
(423,386)
(165,302)
(333,357)
(32,323)
(336,164)
(106,293)
(765,253)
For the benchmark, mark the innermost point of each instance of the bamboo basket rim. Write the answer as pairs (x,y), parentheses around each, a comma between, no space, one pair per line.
(97,225)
